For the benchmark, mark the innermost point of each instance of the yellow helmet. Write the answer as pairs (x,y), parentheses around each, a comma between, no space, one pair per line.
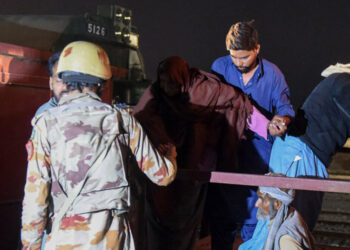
(86,58)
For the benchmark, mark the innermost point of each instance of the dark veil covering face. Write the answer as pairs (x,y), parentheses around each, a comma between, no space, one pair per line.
(177,69)
(200,118)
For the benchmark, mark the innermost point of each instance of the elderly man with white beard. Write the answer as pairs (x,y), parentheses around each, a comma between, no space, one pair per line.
(280,226)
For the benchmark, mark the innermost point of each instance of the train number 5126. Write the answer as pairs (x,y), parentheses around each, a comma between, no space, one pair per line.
(96,29)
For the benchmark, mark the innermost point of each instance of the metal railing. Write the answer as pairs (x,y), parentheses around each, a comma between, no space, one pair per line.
(310,183)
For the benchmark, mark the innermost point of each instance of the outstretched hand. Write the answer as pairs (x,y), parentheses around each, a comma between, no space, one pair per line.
(278,125)
(169,150)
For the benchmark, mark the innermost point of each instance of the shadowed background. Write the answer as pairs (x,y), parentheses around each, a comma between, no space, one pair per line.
(301,37)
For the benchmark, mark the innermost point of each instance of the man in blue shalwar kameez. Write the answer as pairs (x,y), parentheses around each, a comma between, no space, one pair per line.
(268,90)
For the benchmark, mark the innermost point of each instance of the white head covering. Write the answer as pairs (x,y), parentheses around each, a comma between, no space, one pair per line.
(285,198)
(337,68)
(282,213)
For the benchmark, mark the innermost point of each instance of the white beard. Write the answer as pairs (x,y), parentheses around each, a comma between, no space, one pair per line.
(260,215)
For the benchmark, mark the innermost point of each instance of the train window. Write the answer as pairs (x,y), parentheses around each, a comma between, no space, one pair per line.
(135,66)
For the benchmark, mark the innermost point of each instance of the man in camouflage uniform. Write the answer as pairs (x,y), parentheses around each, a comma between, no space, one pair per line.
(77,162)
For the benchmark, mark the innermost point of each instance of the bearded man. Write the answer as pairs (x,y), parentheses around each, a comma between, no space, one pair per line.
(280,225)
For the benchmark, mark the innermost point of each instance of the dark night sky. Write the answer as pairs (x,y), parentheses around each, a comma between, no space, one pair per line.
(301,37)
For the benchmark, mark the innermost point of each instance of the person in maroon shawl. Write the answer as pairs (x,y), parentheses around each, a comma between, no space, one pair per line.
(205,119)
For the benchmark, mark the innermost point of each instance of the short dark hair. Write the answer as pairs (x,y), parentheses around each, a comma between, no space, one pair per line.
(52,61)
(242,36)
(79,86)
(78,81)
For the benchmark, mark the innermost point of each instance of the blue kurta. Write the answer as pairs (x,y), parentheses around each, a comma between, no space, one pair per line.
(292,157)
(270,93)
(47,105)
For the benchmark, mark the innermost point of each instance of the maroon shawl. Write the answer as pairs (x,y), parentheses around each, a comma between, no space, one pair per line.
(205,121)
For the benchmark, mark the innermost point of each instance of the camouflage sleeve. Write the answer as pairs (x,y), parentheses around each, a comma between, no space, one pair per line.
(36,191)
(159,169)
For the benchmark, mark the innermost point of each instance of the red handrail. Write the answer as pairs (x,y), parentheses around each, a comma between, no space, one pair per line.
(303,182)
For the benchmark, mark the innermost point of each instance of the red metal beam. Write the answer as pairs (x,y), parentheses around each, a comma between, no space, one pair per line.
(25,52)
(302,183)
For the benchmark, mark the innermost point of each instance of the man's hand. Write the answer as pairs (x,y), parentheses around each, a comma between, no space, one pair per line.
(278,125)
(169,150)
(171,154)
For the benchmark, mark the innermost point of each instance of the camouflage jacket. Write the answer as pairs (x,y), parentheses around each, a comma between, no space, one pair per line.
(61,149)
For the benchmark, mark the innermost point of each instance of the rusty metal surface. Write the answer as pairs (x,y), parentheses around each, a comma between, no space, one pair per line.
(18,104)
(25,52)
(23,66)
(23,88)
